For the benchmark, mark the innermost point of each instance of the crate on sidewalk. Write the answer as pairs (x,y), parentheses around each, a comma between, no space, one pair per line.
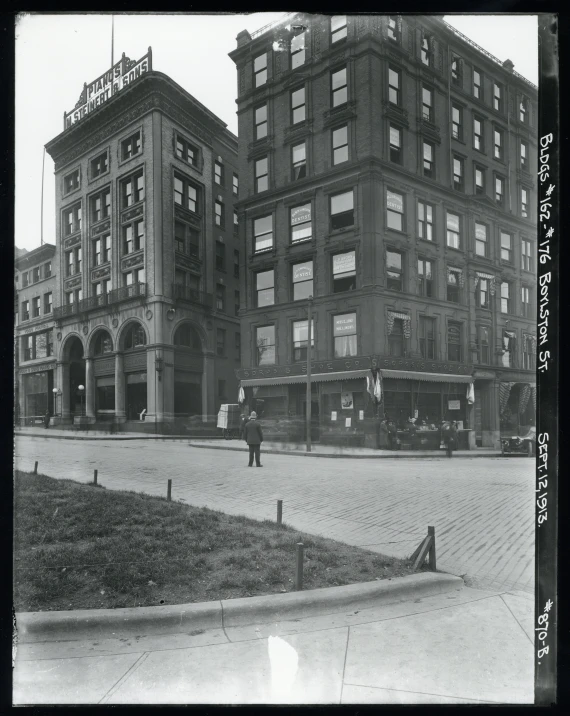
(229,416)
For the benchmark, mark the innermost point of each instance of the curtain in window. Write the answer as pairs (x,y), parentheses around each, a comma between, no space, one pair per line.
(345,346)
(459,273)
(405,318)
(504,392)
(489,277)
(524,395)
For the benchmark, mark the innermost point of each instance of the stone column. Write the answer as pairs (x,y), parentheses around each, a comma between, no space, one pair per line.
(208,387)
(120,414)
(89,389)
(63,370)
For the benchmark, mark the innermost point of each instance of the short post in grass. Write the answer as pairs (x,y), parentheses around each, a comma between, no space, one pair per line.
(36,468)
(94,477)
(431,553)
(279,512)
(299,571)
(169,491)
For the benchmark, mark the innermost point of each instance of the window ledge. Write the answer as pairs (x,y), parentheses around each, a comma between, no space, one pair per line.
(338,233)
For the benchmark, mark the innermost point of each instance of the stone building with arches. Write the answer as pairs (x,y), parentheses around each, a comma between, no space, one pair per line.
(147,251)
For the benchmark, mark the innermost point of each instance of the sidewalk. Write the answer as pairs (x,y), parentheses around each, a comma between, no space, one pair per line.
(278,448)
(459,646)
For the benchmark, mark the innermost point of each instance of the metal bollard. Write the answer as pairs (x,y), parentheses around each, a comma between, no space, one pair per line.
(94,477)
(169,491)
(299,574)
(36,468)
(431,553)
(279,512)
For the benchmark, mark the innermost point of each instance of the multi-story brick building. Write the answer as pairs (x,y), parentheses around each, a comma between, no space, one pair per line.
(147,253)
(34,359)
(388,169)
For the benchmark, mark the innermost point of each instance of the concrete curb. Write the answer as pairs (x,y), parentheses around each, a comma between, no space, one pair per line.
(183,618)
(106,436)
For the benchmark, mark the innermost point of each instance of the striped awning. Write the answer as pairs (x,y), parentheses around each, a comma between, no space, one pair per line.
(315,378)
(429,377)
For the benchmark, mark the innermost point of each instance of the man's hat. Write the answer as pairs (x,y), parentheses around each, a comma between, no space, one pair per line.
(253,414)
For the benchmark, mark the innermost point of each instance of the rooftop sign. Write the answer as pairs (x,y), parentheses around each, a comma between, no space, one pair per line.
(121,75)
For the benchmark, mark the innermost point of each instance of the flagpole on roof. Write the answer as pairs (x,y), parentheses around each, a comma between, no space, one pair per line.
(112,40)
(42,207)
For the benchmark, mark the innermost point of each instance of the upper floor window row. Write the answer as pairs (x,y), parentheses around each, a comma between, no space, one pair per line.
(186,194)
(131,146)
(132,189)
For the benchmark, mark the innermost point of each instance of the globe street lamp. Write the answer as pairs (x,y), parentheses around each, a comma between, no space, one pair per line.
(54,391)
(81,389)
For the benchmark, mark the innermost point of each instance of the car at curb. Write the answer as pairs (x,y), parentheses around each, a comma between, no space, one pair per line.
(520,445)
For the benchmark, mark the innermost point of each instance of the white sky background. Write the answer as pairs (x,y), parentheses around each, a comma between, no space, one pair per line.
(56,54)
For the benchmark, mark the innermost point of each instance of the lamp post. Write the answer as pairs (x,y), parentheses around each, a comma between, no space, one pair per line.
(308,398)
(54,391)
(81,389)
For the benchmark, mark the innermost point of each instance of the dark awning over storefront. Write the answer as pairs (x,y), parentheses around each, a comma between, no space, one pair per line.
(430,377)
(315,378)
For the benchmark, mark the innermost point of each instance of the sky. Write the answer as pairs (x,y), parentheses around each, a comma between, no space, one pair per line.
(56,54)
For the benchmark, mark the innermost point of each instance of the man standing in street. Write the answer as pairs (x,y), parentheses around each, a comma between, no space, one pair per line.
(254,437)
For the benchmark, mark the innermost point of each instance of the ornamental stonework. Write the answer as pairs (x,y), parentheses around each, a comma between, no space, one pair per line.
(130,261)
(104,366)
(72,283)
(132,213)
(185,262)
(101,228)
(68,243)
(100,273)
(134,361)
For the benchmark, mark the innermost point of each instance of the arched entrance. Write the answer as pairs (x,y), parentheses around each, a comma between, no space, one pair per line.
(76,359)
(188,371)
(104,374)
(133,343)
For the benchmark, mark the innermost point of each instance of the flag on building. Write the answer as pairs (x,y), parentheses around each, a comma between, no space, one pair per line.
(241,395)
(370,384)
(378,388)
(470,394)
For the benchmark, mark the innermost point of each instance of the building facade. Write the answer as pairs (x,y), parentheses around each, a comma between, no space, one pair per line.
(147,254)
(34,359)
(388,170)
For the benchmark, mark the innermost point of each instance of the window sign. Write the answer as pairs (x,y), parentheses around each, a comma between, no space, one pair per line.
(395,201)
(348,422)
(344,262)
(346,401)
(452,222)
(300,214)
(333,415)
(453,405)
(480,232)
(303,272)
(344,324)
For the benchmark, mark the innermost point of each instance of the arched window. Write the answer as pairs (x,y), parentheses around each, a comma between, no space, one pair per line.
(187,337)
(135,337)
(103,344)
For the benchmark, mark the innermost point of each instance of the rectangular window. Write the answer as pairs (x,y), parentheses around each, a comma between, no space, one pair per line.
(236,263)
(339,89)
(458,182)
(263,233)
(36,274)
(525,301)
(220,297)
(180,237)
(340,145)
(48,302)
(481,240)
(131,146)
(482,293)
(453,284)
(133,237)
(483,345)
(425,278)
(395,144)
(219,214)
(524,202)
(132,190)
(302,280)
(261,175)
(497,144)
(298,109)
(428,159)
(235,184)
(25,313)
(426,50)
(186,151)
(393,28)
(454,341)
(236,222)
(479,180)
(394,210)
(477,83)
(497,97)
(71,182)
(236,302)
(100,206)
(301,225)
(478,134)
(499,190)
(265,345)
(72,220)
(219,173)
(526,255)
(338,28)
(260,70)
(509,349)
(96,254)
(299,161)
(456,69)
(35,306)
(396,339)
(77,259)
(506,247)
(69,263)
(394,81)
(457,122)
(265,288)
(25,279)
(427,104)
(524,155)
(529,352)
(29,347)
(220,256)
(523,110)
(505,297)
(344,334)
(453,231)
(394,271)
(260,122)
(425,221)
(47,269)
(301,339)
(99,165)
(344,272)
(185,194)
(342,210)
(427,337)
(220,343)
(298,51)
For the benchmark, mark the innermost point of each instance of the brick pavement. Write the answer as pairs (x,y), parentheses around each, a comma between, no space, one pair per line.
(482,510)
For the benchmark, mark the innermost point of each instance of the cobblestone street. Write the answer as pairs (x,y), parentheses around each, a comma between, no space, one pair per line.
(482,509)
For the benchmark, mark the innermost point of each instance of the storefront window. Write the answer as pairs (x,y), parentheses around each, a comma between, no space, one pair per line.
(105,398)
(344,332)
(454,341)
(36,388)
